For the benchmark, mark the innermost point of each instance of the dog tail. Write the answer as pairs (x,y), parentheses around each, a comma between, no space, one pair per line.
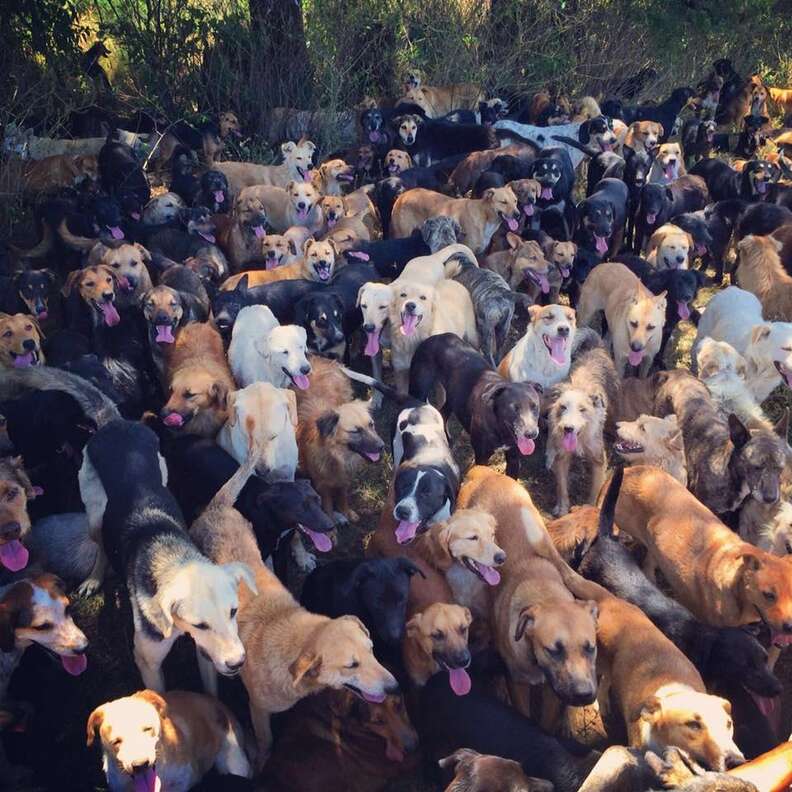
(576,144)
(96,406)
(608,507)
(82,244)
(39,250)
(402,399)
(61,544)
(227,494)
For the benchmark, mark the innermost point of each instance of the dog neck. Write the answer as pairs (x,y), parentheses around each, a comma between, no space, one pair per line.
(431,548)
(420,666)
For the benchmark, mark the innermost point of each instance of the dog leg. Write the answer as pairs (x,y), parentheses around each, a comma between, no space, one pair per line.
(94,497)
(305,561)
(561,465)
(376,372)
(512,463)
(598,467)
(149,656)
(342,499)
(93,582)
(263,731)
(231,758)
(208,674)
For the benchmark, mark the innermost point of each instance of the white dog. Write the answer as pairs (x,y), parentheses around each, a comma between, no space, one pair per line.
(735,316)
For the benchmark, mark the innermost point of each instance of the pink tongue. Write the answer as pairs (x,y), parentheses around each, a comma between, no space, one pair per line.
(322,542)
(174,419)
(544,284)
(650,218)
(331,221)
(301,381)
(271,264)
(110,314)
(557,350)
(393,753)
(147,781)
(761,187)
(765,705)
(135,215)
(373,698)
(116,232)
(406,531)
(668,172)
(491,575)
(23,361)
(569,441)
(307,176)
(42,315)
(372,344)
(208,237)
(459,679)
(780,639)
(635,357)
(512,224)
(124,283)
(302,213)
(547,194)
(409,323)
(13,555)
(601,244)
(259,232)
(359,254)
(606,146)
(525,445)
(164,334)
(374,136)
(219,196)
(75,665)
(374,457)
(528,209)
(683,310)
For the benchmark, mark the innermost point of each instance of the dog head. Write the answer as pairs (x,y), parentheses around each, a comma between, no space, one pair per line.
(251,215)
(597,217)
(335,175)
(407,128)
(502,202)
(516,407)
(20,341)
(759,458)
(469,536)
(440,231)
(421,493)
(332,209)
(339,655)
(776,535)
(648,440)
(198,222)
(295,504)
(228,124)
(720,359)
(760,175)
(555,325)
(215,191)
(96,286)
(670,161)
(562,256)
(670,248)
(697,227)
(320,257)
(374,301)
(413,305)
(398,161)
(529,261)
(441,633)
(737,655)
(493,110)
(33,288)
(645,320)
(412,79)
(372,121)
(163,310)
(127,261)
(648,132)
(548,173)
(298,158)
(598,132)
(698,723)
(163,209)
(37,611)
(527,192)
(772,342)
(284,349)
(303,197)
(575,413)
(322,315)
(351,427)
(275,249)
(475,772)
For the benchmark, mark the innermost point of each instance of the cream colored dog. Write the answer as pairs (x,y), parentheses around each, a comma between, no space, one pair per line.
(296,204)
(670,248)
(668,165)
(296,166)
(649,440)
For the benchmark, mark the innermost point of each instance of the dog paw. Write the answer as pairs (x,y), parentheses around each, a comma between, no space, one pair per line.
(306,562)
(353,516)
(559,510)
(341,519)
(89,587)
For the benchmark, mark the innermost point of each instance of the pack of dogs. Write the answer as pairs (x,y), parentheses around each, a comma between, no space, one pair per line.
(402,438)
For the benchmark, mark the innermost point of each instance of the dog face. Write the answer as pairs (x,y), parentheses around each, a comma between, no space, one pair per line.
(530,261)
(469,535)
(599,132)
(193,391)
(323,317)
(564,643)
(493,110)
(527,192)
(391,722)
(719,359)
(33,287)
(298,158)
(371,121)
(698,723)
(503,202)
(548,173)
(555,325)
(340,656)
(229,125)
(759,459)
(97,288)
(20,341)
(276,249)
(163,310)
(294,504)
(673,248)
(250,213)
(420,493)
(773,342)
(645,320)
(350,427)
(413,304)
(303,196)
(648,440)
(15,492)
(407,128)
(397,161)
(336,173)
(576,413)
(648,132)
(215,184)
(374,301)
(199,222)
(319,259)
(669,159)
(441,632)
(516,407)
(332,209)
(441,231)
(412,79)
(284,349)
(598,217)
(475,772)
(36,611)
(417,96)
(128,263)
(163,209)
(562,255)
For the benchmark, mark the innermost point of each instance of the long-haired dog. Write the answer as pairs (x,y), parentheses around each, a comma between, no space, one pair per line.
(761,272)
(768,527)
(576,422)
(649,440)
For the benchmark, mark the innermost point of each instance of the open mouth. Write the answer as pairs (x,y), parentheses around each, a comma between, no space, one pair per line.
(601,243)
(303,212)
(547,189)
(525,445)
(13,555)
(488,574)
(370,455)
(458,678)
(301,381)
(670,171)
(304,174)
(175,420)
(761,186)
(372,343)
(569,440)
(785,373)
(375,136)
(115,232)
(322,270)
(564,270)
(409,323)
(25,359)
(272,262)
(147,780)
(371,698)
(651,218)
(540,279)
(511,223)
(164,334)
(345,177)
(556,346)
(635,356)
(528,209)
(322,542)
(393,168)
(627,447)
(108,311)
(606,145)
(74,664)
(406,531)
(683,310)
(259,231)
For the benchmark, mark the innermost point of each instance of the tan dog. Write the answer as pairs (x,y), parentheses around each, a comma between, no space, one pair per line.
(635,316)
(20,341)
(291,653)
(49,174)
(333,177)
(670,248)
(418,311)
(167,741)
(668,165)
(644,136)
(16,490)
(129,263)
(297,204)
(781,98)
(199,382)
(649,440)
(296,166)
(397,161)
(475,772)
(524,263)
(541,631)
(760,271)
(335,434)
(97,289)
(241,239)
(333,210)
(478,217)
(278,250)
(438,101)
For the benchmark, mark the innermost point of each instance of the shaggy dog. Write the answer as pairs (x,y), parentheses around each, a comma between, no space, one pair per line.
(761,272)
(649,440)
(768,527)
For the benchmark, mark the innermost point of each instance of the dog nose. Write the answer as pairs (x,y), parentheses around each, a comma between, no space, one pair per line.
(301,204)
(499,558)
(237,665)
(138,766)
(29,344)
(162,318)
(636,347)
(223,323)
(306,369)
(680,259)
(338,336)
(563,331)
(132,281)
(369,328)
(402,512)
(11,530)
(733,759)
(786,627)
(410,306)
(107,296)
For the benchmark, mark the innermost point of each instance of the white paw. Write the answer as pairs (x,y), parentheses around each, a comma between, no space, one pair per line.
(306,562)
(560,510)
(89,587)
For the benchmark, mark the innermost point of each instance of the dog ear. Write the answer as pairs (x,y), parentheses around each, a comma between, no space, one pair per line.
(409,568)
(218,393)
(651,708)
(144,254)
(758,332)
(241,573)
(35,323)
(782,425)
(513,240)
(524,623)
(160,611)
(489,194)
(307,242)
(413,627)
(71,279)
(355,620)
(231,408)
(468,617)
(534,311)
(358,298)
(592,608)
(334,247)
(292,246)
(291,406)
(751,562)
(584,134)
(153,698)
(462,755)
(739,435)
(306,665)
(95,720)
(8,625)
(327,423)
(662,130)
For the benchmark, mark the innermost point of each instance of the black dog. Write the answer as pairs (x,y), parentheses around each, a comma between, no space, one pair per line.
(721,218)
(601,218)
(384,196)
(428,141)
(183,181)
(724,182)
(696,225)
(762,219)
(751,136)
(494,411)
(27,292)
(121,173)
(194,232)
(389,256)
(374,590)
(553,169)
(214,193)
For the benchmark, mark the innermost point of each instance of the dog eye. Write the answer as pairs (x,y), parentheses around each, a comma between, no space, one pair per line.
(589,649)
(148,730)
(353,664)
(234,612)
(116,742)
(363,305)
(473,538)
(651,327)
(201,626)
(770,596)
(8,334)
(188,395)
(438,635)
(403,294)
(11,494)
(694,724)
(634,324)
(44,626)
(555,651)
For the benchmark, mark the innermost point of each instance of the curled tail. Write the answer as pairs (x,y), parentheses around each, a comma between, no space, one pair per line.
(402,399)
(227,494)
(608,507)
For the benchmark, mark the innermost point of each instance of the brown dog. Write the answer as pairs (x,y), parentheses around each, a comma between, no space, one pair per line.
(15,492)
(644,135)
(296,204)
(199,382)
(60,171)
(20,341)
(129,263)
(96,286)
(475,772)
(522,264)
(761,272)
(241,238)
(466,174)
(333,177)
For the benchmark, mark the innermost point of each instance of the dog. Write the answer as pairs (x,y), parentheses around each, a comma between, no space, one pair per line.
(668,165)
(428,140)
(332,176)
(199,381)
(20,341)
(523,261)
(494,411)
(129,264)
(601,218)
(335,434)
(759,271)
(140,530)
(723,182)
(29,292)
(155,740)
(241,238)
(296,204)
(768,527)
(649,440)
(735,316)
(478,218)
(576,422)
(670,247)
(644,136)
(474,772)
(296,166)
(634,315)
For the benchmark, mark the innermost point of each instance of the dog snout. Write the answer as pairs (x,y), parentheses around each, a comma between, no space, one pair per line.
(402,512)
(235,665)
(140,764)
(459,659)
(11,531)
(499,558)
(410,307)
(733,759)
(305,369)
(107,296)
(161,318)
(636,346)
(563,331)
(29,344)
(301,204)
(368,328)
